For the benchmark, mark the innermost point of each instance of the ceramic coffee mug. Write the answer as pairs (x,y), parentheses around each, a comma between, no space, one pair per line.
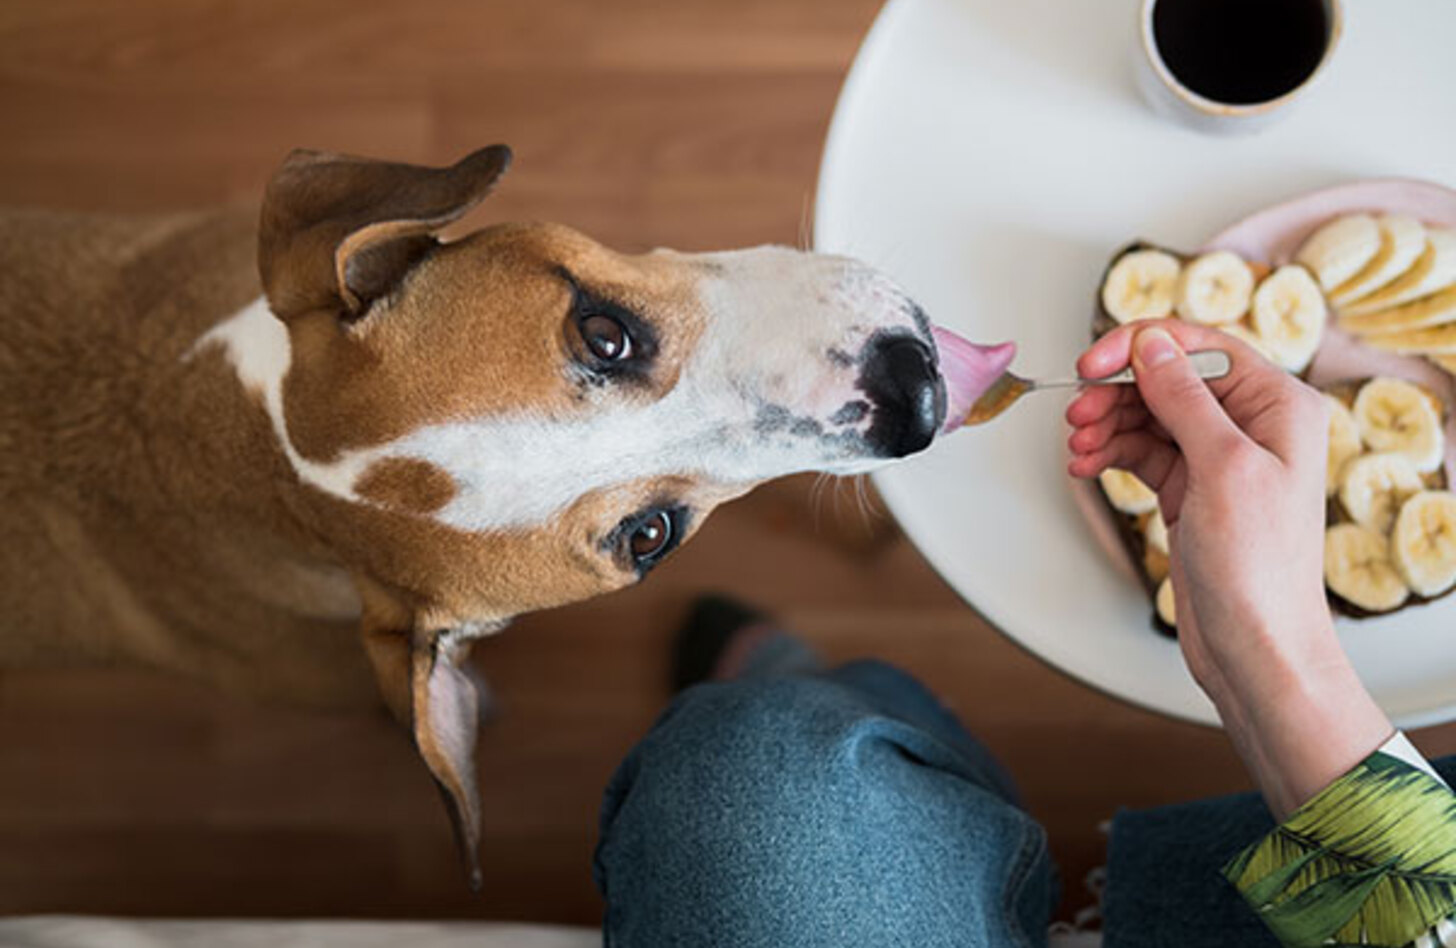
(1198,63)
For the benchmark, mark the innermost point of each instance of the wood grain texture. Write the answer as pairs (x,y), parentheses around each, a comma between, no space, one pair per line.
(692,124)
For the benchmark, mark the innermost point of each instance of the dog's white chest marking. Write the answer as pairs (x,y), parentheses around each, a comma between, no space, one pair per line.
(257,344)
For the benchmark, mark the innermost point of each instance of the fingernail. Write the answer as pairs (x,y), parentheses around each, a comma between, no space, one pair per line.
(1153,347)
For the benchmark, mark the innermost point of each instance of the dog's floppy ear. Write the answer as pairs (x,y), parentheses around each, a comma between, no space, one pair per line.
(339,231)
(420,677)
(424,686)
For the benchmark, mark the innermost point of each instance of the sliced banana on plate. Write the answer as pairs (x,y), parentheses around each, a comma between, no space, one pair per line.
(1126,492)
(1358,568)
(1167,608)
(1423,544)
(1345,443)
(1435,310)
(1402,238)
(1437,340)
(1399,418)
(1340,249)
(1374,486)
(1289,316)
(1433,271)
(1215,288)
(1391,280)
(1141,285)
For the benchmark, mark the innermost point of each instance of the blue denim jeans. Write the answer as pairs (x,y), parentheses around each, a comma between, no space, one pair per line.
(849,808)
(836,809)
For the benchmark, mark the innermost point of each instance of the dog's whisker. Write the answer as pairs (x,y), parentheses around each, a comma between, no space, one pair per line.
(839,484)
(862,503)
(816,499)
(868,510)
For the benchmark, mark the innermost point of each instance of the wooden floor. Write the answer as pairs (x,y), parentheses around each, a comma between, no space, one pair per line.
(692,123)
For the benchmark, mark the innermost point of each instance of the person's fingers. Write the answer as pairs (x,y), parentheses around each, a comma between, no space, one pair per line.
(1113,352)
(1097,401)
(1088,438)
(1259,398)
(1151,458)
(1181,401)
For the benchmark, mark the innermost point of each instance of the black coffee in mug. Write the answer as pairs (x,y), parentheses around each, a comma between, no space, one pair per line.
(1241,52)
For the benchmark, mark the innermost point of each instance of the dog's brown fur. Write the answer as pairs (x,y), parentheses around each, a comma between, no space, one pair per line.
(149,513)
(128,536)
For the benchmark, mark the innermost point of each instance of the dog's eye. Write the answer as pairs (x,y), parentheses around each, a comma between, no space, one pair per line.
(652,537)
(606,338)
(641,541)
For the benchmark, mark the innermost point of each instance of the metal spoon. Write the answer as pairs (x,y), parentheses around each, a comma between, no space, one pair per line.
(1004,392)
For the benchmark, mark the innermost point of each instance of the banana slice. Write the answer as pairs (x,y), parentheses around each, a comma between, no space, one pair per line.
(1141,285)
(1435,340)
(1340,249)
(1402,238)
(1155,532)
(1167,608)
(1423,545)
(1399,418)
(1215,288)
(1289,315)
(1344,443)
(1126,493)
(1434,270)
(1435,310)
(1374,486)
(1359,570)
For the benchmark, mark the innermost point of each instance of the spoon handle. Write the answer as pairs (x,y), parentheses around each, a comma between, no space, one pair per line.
(1208,363)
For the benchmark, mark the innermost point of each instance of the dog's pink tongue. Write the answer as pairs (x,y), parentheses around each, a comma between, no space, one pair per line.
(968,370)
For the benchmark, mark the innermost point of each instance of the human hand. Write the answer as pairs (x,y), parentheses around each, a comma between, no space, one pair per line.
(1239,467)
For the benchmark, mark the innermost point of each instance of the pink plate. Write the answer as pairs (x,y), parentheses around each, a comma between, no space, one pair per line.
(1272,236)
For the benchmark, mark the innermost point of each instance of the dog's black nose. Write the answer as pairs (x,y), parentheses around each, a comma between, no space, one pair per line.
(907,393)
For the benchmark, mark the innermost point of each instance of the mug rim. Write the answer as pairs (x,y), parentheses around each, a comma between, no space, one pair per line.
(1213,106)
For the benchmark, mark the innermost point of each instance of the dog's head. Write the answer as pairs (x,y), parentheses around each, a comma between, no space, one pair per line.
(522,418)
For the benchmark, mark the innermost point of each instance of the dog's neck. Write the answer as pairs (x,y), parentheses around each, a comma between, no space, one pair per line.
(257,346)
(257,350)
(152,480)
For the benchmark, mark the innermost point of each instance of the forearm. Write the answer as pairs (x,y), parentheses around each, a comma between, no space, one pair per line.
(1299,721)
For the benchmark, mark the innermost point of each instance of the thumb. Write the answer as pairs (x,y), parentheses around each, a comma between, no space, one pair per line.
(1181,401)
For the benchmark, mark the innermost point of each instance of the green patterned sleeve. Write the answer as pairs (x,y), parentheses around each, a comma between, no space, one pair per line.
(1371,860)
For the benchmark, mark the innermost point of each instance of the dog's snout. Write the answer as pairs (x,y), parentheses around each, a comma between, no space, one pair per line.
(907,395)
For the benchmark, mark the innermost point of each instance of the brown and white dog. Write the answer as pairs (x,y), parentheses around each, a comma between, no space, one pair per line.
(402,441)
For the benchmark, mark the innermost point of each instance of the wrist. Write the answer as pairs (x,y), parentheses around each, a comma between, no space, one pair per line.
(1301,717)
(1277,657)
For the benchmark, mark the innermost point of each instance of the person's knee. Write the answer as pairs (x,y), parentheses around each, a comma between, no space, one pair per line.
(773,809)
(731,822)
(734,763)
(752,738)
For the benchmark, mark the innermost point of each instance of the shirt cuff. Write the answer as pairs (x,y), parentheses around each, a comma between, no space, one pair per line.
(1369,860)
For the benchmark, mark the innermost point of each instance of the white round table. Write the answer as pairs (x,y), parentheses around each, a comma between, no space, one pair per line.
(990,156)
